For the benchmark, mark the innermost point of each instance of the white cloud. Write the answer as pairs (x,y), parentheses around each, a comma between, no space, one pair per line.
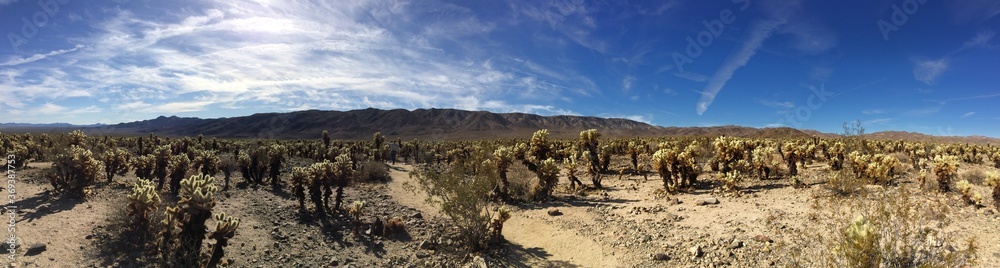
(968,114)
(627,82)
(928,71)
(982,39)
(285,55)
(50,109)
(38,57)
(873,111)
(692,76)
(878,121)
(776,104)
(759,32)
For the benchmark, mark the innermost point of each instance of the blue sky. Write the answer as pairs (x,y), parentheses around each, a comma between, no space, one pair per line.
(925,66)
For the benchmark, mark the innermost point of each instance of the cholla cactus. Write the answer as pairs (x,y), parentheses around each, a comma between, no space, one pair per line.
(276,157)
(207,162)
(503,156)
(548,177)
(993,180)
(731,181)
(75,170)
(663,160)
(496,223)
(76,138)
(356,210)
(342,174)
(320,178)
(144,167)
(115,162)
(860,244)
(878,168)
(225,229)
(590,145)
(793,153)
(193,209)
(179,165)
(996,159)
(968,192)
(142,201)
(836,156)
(161,164)
(570,165)
(20,152)
(945,168)
(300,180)
(539,149)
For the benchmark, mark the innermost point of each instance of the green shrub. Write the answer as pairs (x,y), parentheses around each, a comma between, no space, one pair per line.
(373,171)
(462,193)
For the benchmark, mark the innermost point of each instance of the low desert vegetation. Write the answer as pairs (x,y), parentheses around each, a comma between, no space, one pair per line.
(882,202)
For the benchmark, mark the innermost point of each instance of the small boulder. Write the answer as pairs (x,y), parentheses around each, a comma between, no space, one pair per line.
(661,257)
(696,251)
(707,201)
(735,244)
(428,245)
(35,249)
(554,212)
(762,238)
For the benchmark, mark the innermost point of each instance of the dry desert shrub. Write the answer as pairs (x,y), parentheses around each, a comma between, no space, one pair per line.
(844,183)
(881,229)
(975,175)
(520,182)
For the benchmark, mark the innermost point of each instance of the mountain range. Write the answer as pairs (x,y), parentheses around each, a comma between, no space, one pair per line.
(432,124)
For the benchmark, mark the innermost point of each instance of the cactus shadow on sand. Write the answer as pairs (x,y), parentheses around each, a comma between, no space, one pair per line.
(516,255)
(45,203)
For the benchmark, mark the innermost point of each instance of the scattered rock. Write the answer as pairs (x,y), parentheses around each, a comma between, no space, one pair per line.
(426,245)
(417,215)
(334,261)
(554,212)
(5,247)
(477,262)
(706,201)
(736,244)
(35,249)
(661,257)
(422,254)
(762,238)
(696,251)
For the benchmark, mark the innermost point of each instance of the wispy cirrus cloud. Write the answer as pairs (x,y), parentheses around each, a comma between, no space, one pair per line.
(928,71)
(873,111)
(776,104)
(252,55)
(965,115)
